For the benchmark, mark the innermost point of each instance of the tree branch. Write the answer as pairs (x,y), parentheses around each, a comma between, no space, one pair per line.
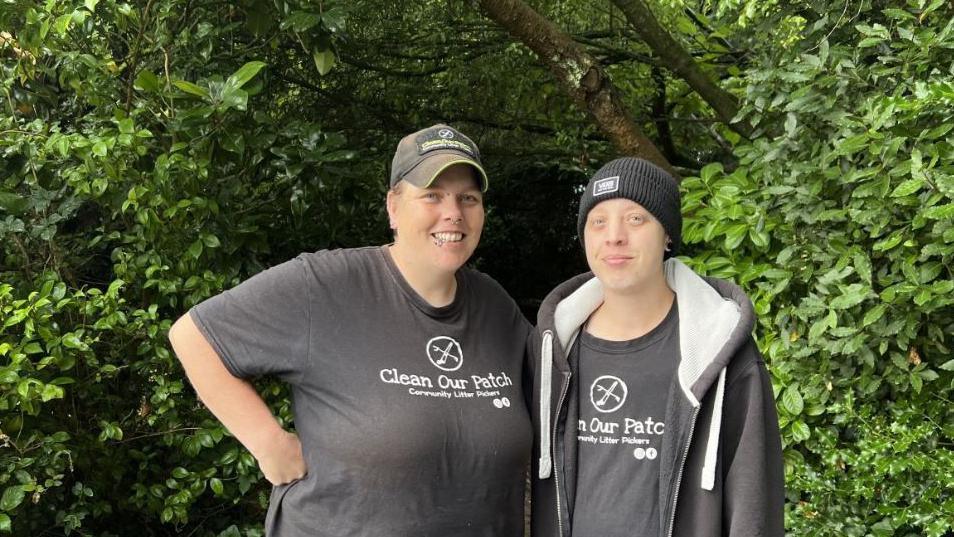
(678,60)
(578,73)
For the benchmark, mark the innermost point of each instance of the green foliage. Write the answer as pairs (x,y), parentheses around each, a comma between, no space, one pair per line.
(140,176)
(153,154)
(840,225)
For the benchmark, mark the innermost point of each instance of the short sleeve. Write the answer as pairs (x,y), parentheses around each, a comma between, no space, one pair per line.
(261,326)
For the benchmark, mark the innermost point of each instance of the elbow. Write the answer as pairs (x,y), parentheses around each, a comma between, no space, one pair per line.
(178,332)
(174,331)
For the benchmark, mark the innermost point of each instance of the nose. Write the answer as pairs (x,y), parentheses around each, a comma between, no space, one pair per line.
(616,233)
(453,211)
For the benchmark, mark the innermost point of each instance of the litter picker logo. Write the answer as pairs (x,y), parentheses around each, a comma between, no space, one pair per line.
(608,393)
(444,352)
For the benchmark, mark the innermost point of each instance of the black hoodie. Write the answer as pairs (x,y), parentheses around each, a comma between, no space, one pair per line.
(721,458)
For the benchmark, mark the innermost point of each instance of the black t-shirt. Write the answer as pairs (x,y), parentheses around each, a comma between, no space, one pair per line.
(623,387)
(411,417)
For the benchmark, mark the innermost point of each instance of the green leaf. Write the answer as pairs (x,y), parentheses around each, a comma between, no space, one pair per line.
(940,212)
(324,61)
(32,348)
(334,19)
(244,74)
(886,244)
(114,287)
(800,431)
(883,528)
(100,149)
(300,21)
(62,23)
(948,365)
(734,236)
(23,388)
(195,250)
(916,382)
(928,375)
(817,329)
(90,4)
(234,98)
(862,266)
(147,81)
(709,171)
(5,525)
(192,89)
(50,392)
(179,472)
(907,188)
(216,485)
(13,204)
(874,314)
(210,240)
(851,145)
(791,122)
(852,295)
(72,341)
(792,401)
(231,531)
(12,497)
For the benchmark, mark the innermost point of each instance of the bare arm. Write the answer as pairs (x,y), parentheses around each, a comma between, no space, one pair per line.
(237,405)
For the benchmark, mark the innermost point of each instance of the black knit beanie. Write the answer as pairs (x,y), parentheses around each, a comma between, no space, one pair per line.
(640,181)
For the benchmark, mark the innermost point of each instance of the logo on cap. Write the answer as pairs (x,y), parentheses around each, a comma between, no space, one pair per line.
(445,134)
(605,186)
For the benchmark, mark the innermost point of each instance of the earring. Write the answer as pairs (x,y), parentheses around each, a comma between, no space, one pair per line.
(668,245)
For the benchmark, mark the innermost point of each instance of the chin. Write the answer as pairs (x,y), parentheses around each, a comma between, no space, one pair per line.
(620,282)
(451,261)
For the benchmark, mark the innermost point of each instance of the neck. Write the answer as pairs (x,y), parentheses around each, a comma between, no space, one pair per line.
(623,317)
(436,288)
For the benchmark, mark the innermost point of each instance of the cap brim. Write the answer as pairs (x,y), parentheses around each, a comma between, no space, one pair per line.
(424,174)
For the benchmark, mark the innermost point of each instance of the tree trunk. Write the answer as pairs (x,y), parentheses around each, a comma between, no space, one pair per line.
(578,73)
(677,59)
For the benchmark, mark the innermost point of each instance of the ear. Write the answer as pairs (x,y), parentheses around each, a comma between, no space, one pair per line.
(392,203)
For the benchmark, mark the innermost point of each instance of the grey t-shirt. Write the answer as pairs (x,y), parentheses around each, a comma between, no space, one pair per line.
(623,386)
(412,417)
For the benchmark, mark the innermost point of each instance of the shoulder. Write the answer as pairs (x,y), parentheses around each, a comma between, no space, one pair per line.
(325,265)
(490,295)
(747,364)
(484,287)
(481,280)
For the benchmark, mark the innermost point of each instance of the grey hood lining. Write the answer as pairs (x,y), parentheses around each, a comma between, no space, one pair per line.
(714,317)
(707,321)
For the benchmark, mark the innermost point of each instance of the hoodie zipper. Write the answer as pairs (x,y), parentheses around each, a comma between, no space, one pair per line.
(556,473)
(682,466)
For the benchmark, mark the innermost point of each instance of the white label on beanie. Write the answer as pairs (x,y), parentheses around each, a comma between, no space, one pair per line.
(605,186)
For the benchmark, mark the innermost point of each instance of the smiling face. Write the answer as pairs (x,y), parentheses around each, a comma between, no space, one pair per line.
(438,227)
(624,246)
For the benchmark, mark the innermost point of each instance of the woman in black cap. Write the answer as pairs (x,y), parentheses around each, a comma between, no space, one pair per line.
(405,367)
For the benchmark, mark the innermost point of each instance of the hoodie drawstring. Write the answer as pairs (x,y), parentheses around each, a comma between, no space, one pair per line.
(546,382)
(712,444)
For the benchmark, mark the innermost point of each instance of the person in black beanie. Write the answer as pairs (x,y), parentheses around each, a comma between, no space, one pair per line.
(653,410)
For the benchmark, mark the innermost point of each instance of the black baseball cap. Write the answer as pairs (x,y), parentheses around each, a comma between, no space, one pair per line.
(421,156)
